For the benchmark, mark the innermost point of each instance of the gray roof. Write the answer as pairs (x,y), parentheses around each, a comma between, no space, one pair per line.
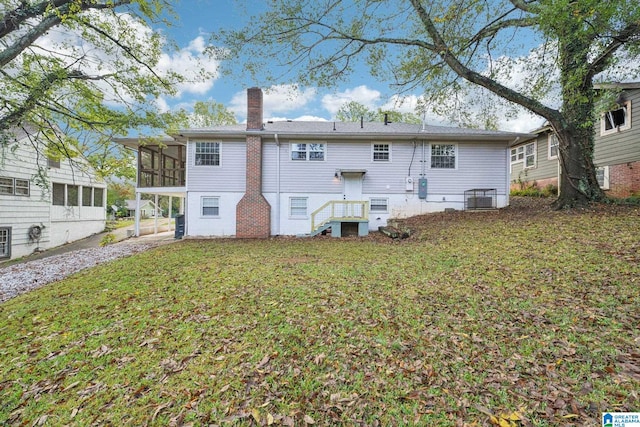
(354,130)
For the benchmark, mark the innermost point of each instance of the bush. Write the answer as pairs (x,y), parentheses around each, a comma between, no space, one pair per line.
(107,239)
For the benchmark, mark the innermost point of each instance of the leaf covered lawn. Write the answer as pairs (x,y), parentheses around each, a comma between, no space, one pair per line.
(522,317)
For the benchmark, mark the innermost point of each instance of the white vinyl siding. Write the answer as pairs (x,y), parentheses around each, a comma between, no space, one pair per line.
(210,206)
(298,207)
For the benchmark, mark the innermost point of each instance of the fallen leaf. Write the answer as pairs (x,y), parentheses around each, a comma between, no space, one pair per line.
(309,420)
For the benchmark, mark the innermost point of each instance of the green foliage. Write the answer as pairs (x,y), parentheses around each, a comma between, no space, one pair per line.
(533,190)
(205,114)
(478,315)
(107,239)
(97,79)
(354,111)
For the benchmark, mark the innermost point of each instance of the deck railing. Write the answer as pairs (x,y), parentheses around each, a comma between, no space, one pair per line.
(340,210)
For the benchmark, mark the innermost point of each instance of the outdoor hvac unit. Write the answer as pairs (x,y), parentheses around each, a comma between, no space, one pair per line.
(480,198)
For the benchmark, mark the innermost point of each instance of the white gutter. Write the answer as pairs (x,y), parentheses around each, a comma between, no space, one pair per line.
(277,184)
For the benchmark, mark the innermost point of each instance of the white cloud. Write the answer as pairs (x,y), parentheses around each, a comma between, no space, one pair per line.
(276,99)
(362,94)
(192,63)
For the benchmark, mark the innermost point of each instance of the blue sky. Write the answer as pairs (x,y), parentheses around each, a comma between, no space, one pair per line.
(198,18)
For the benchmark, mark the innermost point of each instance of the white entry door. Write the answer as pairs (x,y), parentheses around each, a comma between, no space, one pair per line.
(352,191)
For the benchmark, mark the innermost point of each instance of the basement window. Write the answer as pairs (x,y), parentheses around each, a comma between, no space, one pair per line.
(616,120)
(298,207)
(379,205)
(210,206)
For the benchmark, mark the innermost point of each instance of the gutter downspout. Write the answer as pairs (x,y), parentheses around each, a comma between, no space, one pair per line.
(508,164)
(277,233)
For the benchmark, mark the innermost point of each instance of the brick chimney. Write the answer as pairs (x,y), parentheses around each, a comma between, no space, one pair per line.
(253,212)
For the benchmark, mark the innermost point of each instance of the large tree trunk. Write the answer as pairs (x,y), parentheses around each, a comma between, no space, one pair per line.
(575,128)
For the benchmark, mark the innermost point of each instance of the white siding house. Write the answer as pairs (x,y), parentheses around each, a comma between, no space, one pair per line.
(44,203)
(292,178)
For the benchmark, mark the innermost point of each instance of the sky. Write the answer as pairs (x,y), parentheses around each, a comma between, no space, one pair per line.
(198,18)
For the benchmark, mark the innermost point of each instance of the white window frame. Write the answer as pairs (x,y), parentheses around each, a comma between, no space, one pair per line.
(376,149)
(605,185)
(217,147)
(305,151)
(7,186)
(216,204)
(26,187)
(553,142)
(5,242)
(517,153)
(455,156)
(379,202)
(296,211)
(608,118)
(98,199)
(533,155)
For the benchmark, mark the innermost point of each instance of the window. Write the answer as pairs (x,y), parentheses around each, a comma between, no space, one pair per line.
(553,146)
(22,187)
(530,155)
(517,154)
(298,206)
(98,197)
(5,242)
(86,196)
(526,153)
(72,195)
(381,152)
(207,154)
(6,186)
(443,156)
(616,120)
(378,205)
(210,206)
(602,175)
(311,152)
(58,194)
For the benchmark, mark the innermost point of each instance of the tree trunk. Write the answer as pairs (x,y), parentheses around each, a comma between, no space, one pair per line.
(575,129)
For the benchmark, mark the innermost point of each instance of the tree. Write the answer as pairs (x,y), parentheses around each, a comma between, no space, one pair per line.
(354,111)
(205,114)
(443,46)
(86,69)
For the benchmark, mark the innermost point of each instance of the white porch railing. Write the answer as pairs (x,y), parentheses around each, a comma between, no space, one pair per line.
(340,210)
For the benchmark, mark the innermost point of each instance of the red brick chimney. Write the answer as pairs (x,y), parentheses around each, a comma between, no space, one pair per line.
(253,212)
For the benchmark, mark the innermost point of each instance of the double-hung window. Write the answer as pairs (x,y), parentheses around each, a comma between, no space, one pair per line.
(6,186)
(207,154)
(443,156)
(21,187)
(381,152)
(211,206)
(5,242)
(308,152)
(524,153)
(553,146)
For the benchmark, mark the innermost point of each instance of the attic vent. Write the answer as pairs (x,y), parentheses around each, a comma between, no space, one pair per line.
(480,198)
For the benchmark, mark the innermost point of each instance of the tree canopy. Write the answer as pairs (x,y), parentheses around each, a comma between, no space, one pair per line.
(542,55)
(354,111)
(89,70)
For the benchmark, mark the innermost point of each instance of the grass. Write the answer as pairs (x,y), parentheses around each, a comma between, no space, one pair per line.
(525,317)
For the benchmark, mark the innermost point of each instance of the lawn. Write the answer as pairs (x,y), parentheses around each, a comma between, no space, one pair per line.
(522,317)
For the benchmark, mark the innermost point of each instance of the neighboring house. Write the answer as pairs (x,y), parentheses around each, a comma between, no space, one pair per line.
(291,178)
(45,203)
(147,208)
(616,149)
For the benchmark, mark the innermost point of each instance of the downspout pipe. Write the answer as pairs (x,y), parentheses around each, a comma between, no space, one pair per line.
(277,207)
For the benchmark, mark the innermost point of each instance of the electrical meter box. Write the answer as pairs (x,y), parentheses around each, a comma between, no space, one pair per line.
(408,181)
(422,188)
